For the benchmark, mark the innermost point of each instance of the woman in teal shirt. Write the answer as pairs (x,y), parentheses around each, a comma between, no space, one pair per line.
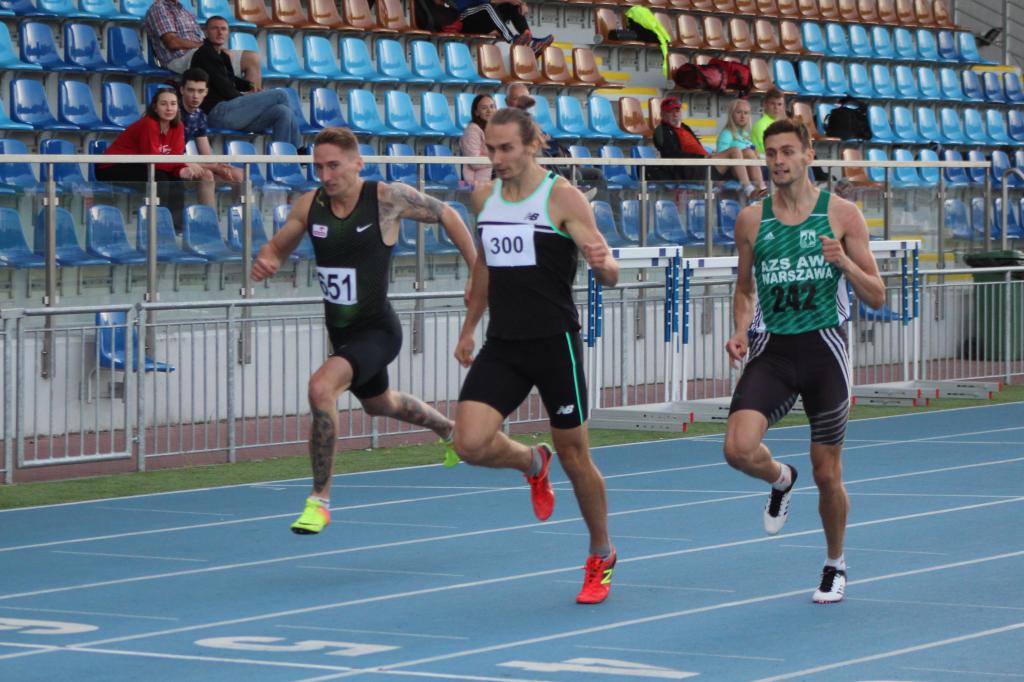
(736,133)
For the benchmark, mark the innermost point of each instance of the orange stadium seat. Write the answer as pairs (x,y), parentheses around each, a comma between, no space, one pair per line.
(792,41)
(887,11)
(856,176)
(803,111)
(809,9)
(905,12)
(391,15)
(555,68)
(767,8)
(829,10)
(631,117)
(925,13)
(291,14)
(867,10)
(941,13)
(745,7)
(714,34)
(358,14)
(255,12)
(765,37)
(760,75)
(689,32)
(790,9)
(584,69)
(606,19)
(740,37)
(324,13)
(670,27)
(654,112)
(848,10)
(675,60)
(491,62)
(524,65)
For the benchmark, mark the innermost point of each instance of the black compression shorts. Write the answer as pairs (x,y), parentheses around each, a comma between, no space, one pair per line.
(504,372)
(369,350)
(814,366)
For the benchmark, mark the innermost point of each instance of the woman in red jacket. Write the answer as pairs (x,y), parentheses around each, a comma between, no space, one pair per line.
(159,131)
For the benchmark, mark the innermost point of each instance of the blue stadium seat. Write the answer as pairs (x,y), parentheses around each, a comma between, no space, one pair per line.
(904,44)
(569,116)
(785,77)
(14,251)
(821,112)
(541,112)
(17,176)
(949,82)
(993,86)
(927,83)
(401,172)
(606,225)
(602,119)
(695,215)
(436,116)
(813,39)
(400,115)
(319,58)
(235,231)
(972,86)
(835,38)
(136,8)
(426,63)
(371,171)
(620,176)
(105,236)
(26,8)
(881,131)
(881,39)
(288,173)
(459,64)
(293,99)
(223,8)
(463,109)
(282,60)
(957,221)
(668,226)
(929,176)
(835,80)
(927,48)
(882,81)
(629,210)
(903,126)
(69,253)
(977,175)
(1013,225)
(928,125)
(125,51)
(363,116)
(304,251)
(1018,159)
(947,46)
(725,228)
(120,108)
(978,219)
(75,107)
(995,124)
(246,148)
(875,173)
(9,60)
(905,177)
(325,109)
(202,236)
(1012,88)
(860,42)
(860,81)
(442,174)
(1001,164)
(955,177)
(906,84)
(392,63)
(82,48)
(968,49)
(810,78)
(112,345)
(37,46)
(29,106)
(974,127)
(1015,125)
(68,176)
(65,9)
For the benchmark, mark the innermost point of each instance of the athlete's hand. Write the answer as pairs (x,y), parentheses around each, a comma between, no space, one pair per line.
(596,255)
(264,265)
(832,250)
(464,350)
(736,347)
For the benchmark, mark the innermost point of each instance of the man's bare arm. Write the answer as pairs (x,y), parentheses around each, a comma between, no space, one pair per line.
(399,201)
(745,296)
(852,254)
(172,41)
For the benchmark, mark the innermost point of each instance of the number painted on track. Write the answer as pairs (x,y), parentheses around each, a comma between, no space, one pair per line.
(306,645)
(44,627)
(601,666)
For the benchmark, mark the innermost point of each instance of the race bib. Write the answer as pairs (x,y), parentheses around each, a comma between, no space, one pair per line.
(338,285)
(509,246)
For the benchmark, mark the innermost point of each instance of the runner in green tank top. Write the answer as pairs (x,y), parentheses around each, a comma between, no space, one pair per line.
(353,226)
(796,251)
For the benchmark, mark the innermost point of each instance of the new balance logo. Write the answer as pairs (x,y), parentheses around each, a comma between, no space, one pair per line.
(532,216)
(565,409)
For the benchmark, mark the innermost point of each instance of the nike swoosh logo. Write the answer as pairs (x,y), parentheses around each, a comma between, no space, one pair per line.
(363,228)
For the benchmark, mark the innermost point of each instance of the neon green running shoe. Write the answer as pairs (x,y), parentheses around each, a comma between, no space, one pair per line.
(314,518)
(450,457)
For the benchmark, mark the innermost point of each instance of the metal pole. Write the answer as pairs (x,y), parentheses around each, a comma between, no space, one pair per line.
(52,297)
(643,206)
(230,385)
(988,209)
(245,338)
(140,380)
(421,263)
(152,292)
(940,246)
(886,204)
(709,240)
(10,367)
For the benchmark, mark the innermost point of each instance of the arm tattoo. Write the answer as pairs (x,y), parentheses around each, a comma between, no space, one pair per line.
(405,202)
(321,448)
(414,411)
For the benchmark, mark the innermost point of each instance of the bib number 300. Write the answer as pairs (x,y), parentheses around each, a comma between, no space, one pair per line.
(509,246)
(338,285)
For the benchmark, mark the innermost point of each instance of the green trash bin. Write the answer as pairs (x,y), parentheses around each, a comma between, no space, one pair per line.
(988,328)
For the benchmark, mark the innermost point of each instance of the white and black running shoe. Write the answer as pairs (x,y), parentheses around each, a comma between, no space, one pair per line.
(776,511)
(833,584)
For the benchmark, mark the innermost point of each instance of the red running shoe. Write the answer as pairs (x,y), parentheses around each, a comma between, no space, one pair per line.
(541,494)
(597,580)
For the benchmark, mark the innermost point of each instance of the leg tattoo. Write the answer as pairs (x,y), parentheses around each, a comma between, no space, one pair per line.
(321,448)
(414,411)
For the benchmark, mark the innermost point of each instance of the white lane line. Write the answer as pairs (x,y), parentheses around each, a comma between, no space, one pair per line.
(965,672)
(385,523)
(893,653)
(679,653)
(944,495)
(1012,443)
(22,645)
(372,632)
(677,614)
(85,613)
(379,570)
(129,556)
(678,588)
(522,576)
(205,659)
(870,549)
(161,511)
(1000,607)
(617,536)
(442,676)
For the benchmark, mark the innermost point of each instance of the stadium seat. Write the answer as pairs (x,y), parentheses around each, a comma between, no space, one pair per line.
(68,176)
(813,39)
(903,126)
(695,219)
(947,46)
(25,8)
(1000,165)
(967,49)
(835,41)
(324,14)
(400,115)
(304,250)
(492,63)
(371,171)
(135,8)
(222,8)
(974,128)
(541,112)
(804,111)
(928,125)
(927,84)
(760,75)
(955,177)
(972,86)
(860,42)
(325,109)
(524,66)
(292,14)
(37,46)
(789,37)
(877,174)
(688,32)
(810,79)
(75,107)
(459,66)
(881,131)
(1012,88)
(120,108)
(882,81)
(246,148)
(65,9)
(586,71)
(949,82)
(125,51)
(319,60)
(392,64)
(714,33)
(358,14)
(9,60)
(436,116)
(246,41)
(282,59)
(906,84)
(905,177)
(668,226)
(956,220)
(977,174)
(14,251)
(1015,125)
(995,124)
(363,116)
(952,129)
(105,236)
(835,80)
(555,69)
(29,106)
(356,63)
(606,225)
(69,252)
(728,210)
(1013,224)
(569,117)
(629,210)
(602,119)
(401,171)
(785,77)
(288,173)
(201,235)
(929,176)
(632,119)
(882,44)
(236,236)
(993,86)
(442,174)
(848,10)
(621,176)
(112,345)
(293,99)
(463,109)
(978,219)
(426,63)
(17,175)
(927,48)
(391,17)
(860,81)
(254,12)
(903,44)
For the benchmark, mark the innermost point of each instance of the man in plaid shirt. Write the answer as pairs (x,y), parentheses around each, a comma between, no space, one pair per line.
(175,35)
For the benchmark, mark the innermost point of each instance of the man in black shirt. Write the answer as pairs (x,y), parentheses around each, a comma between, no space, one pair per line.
(234,102)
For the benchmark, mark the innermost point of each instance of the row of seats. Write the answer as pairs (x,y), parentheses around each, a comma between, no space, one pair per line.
(91,10)
(920,126)
(666,224)
(971,226)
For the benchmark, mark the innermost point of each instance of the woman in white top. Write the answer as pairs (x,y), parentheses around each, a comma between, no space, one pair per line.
(472,141)
(736,134)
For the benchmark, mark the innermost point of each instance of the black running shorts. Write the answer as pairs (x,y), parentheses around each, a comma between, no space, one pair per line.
(814,366)
(369,350)
(504,372)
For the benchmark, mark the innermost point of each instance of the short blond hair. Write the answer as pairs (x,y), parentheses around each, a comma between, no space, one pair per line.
(342,138)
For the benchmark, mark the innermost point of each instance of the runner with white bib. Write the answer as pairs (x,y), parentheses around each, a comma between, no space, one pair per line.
(353,226)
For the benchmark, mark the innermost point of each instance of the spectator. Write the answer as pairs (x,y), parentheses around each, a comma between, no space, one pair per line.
(513,93)
(676,140)
(774,105)
(437,15)
(237,103)
(489,16)
(472,141)
(175,35)
(193,91)
(735,134)
(159,131)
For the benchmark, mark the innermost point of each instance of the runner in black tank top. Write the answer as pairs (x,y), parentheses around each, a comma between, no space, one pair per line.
(353,226)
(802,352)
(531,225)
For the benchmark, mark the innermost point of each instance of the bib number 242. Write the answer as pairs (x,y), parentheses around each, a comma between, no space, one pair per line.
(794,297)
